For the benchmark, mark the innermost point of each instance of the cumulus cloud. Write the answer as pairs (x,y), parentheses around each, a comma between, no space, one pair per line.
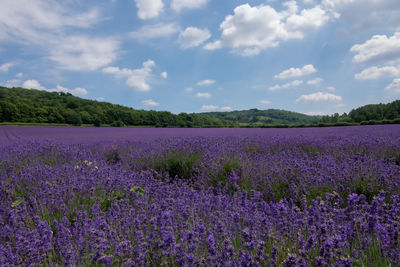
(254,28)
(209,107)
(148,9)
(203,95)
(160,30)
(319,97)
(394,86)
(137,79)
(77,91)
(265,102)
(19,74)
(292,84)
(226,109)
(164,75)
(178,5)
(206,82)
(379,49)
(286,85)
(331,88)
(307,20)
(11,83)
(296,72)
(192,37)
(6,66)
(150,103)
(35,84)
(315,81)
(374,72)
(275,87)
(189,89)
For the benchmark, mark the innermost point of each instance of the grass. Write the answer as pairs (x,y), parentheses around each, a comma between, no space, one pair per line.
(178,164)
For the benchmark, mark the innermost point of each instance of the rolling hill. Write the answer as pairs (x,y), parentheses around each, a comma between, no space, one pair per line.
(265,117)
(19,105)
(35,106)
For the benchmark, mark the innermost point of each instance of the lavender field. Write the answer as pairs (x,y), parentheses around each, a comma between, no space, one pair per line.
(200,197)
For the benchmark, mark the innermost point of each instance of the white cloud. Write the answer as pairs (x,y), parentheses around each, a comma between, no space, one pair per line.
(331,88)
(6,66)
(19,74)
(178,5)
(206,82)
(252,29)
(275,87)
(248,52)
(203,95)
(318,97)
(292,84)
(307,20)
(33,84)
(11,83)
(296,72)
(45,25)
(226,109)
(119,73)
(265,102)
(377,73)
(192,37)
(79,53)
(77,91)
(315,113)
(379,49)
(27,20)
(364,15)
(150,103)
(100,98)
(148,9)
(315,81)
(286,85)
(137,79)
(189,89)
(394,86)
(209,107)
(160,30)
(164,75)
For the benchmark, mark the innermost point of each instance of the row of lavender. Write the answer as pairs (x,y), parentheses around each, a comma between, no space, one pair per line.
(253,200)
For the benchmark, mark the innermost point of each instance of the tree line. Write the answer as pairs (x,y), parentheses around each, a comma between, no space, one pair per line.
(265,117)
(35,106)
(368,114)
(21,105)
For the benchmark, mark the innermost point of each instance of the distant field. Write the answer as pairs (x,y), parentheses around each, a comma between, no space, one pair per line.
(200,197)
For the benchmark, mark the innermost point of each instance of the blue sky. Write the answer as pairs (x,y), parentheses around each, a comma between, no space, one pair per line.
(309,56)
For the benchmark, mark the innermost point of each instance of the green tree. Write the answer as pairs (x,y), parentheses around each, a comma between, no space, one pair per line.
(9,111)
(72,117)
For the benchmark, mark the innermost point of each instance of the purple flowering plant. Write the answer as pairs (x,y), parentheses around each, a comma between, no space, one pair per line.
(200,197)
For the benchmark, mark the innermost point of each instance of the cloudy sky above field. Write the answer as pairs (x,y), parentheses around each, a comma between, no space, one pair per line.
(310,56)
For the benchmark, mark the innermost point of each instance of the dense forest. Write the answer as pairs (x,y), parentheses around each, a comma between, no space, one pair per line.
(265,117)
(19,105)
(369,114)
(34,106)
